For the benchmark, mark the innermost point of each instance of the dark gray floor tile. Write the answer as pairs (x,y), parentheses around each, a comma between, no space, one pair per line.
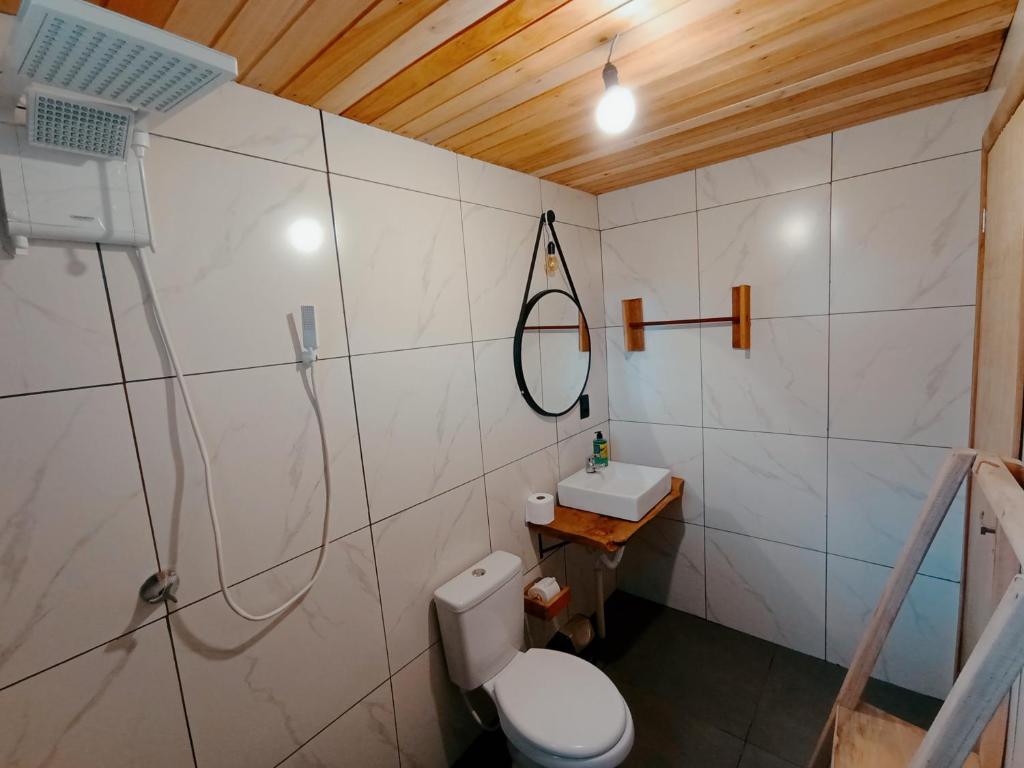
(666,735)
(795,704)
(913,707)
(754,757)
(708,671)
(488,749)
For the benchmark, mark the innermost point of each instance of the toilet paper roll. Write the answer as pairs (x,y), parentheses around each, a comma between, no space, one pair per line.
(544,589)
(540,508)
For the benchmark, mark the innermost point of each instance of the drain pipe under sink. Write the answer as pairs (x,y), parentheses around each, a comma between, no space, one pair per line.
(601,562)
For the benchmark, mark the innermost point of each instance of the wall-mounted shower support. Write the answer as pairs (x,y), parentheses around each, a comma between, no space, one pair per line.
(633,322)
(160,587)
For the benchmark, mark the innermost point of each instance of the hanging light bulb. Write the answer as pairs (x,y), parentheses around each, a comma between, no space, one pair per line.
(616,109)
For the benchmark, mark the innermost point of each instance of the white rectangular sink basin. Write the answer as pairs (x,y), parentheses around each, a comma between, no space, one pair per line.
(626,491)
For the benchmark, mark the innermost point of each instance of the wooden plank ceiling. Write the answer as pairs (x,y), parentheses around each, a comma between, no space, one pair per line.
(515,82)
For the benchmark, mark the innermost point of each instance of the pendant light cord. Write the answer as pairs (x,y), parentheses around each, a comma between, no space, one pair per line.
(204,452)
(611,48)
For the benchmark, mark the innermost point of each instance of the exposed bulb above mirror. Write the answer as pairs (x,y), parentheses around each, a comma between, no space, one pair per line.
(617,107)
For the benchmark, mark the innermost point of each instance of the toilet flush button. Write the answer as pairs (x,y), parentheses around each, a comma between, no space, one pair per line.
(479,571)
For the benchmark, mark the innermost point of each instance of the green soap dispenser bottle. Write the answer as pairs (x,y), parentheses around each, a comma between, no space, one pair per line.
(600,450)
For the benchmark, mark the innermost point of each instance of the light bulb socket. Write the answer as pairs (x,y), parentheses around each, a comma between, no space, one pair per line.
(610,75)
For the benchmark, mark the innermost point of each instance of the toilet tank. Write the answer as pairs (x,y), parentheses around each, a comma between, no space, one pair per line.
(481,616)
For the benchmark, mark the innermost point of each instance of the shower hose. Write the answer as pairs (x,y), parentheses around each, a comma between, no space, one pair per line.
(140,147)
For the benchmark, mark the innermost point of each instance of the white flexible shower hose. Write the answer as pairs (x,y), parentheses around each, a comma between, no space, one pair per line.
(205,454)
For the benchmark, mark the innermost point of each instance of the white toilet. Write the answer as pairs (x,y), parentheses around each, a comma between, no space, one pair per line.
(557,711)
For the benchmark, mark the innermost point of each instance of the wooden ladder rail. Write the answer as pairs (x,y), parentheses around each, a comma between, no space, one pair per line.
(998,656)
(943,491)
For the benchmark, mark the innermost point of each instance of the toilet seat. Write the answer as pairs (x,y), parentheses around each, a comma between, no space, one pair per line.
(525,756)
(559,710)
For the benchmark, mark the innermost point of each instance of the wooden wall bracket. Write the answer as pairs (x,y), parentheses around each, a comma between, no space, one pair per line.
(633,322)
(581,328)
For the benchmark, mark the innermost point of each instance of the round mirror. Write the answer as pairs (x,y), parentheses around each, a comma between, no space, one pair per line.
(551,352)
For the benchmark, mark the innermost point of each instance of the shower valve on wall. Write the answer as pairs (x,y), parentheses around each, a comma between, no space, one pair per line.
(160,587)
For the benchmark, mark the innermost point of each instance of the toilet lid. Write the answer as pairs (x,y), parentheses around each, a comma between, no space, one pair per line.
(560,704)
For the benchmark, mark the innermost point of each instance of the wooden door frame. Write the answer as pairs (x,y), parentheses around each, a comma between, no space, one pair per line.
(992,745)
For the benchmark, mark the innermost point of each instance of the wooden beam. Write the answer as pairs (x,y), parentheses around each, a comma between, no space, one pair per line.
(323,23)
(633,334)
(943,491)
(446,22)
(453,56)
(255,28)
(155,12)
(985,680)
(1004,499)
(558,24)
(202,20)
(1011,99)
(741,315)
(870,738)
(584,334)
(383,24)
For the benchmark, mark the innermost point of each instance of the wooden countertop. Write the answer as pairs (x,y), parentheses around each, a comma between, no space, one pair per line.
(600,532)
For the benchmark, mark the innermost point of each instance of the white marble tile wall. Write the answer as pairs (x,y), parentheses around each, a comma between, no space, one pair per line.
(793,166)
(403,267)
(415,260)
(229,268)
(255,693)
(778,243)
(766,485)
(907,238)
(809,455)
(55,328)
(417,551)
(920,651)
(644,202)
(654,261)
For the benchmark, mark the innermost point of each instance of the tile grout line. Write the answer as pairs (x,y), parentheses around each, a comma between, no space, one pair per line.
(472,351)
(832,180)
(903,165)
(327,171)
(364,697)
(761,694)
(802,547)
(828,375)
(145,495)
(128,404)
(787,434)
(254,367)
(290,559)
(181,690)
(148,623)
(359,442)
(700,367)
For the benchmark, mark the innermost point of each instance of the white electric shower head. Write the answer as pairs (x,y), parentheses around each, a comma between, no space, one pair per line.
(89,76)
